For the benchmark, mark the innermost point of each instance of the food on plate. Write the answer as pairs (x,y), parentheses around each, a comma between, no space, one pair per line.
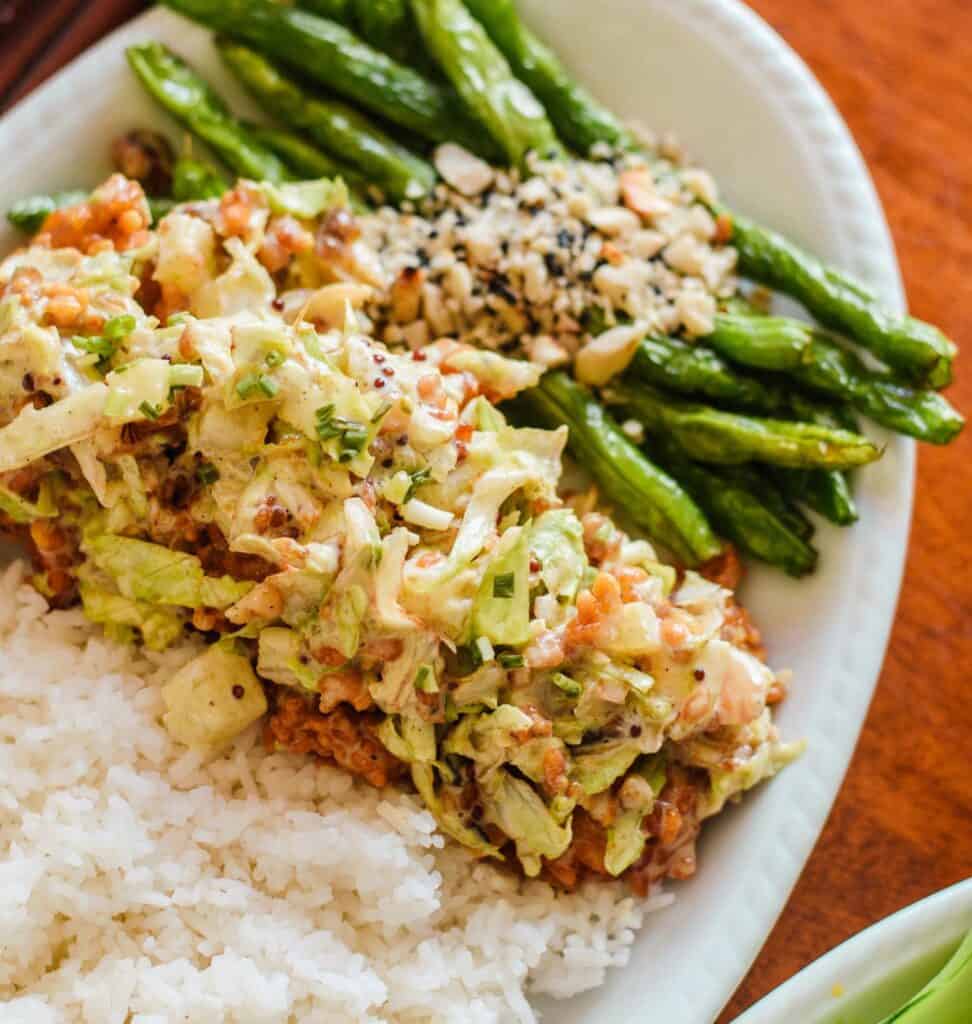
(416,434)
(198,434)
(623,267)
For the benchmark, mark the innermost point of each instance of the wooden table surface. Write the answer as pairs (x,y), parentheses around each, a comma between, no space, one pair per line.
(902,824)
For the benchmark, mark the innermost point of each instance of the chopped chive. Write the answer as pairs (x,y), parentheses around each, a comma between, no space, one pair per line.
(97,345)
(207,473)
(425,681)
(274,358)
(504,585)
(119,327)
(381,412)
(326,428)
(353,435)
(149,411)
(569,686)
(184,375)
(247,386)
(470,658)
(253,383)
(419,477)
(510,659)
(267,385)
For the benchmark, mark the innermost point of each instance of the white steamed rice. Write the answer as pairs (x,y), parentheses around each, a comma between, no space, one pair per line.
(139,885)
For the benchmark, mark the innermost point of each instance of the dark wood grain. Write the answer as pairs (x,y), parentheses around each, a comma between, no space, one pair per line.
(902,826)
(26,28)
(45,35)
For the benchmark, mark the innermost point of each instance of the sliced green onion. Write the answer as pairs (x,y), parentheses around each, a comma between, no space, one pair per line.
(185,375)
(149,411)
(381,412)
(425,681)
(504,585)
(207,473)
(326,428)
(119,327)
(97,345)
(564,683)
(267,385)
(254,383)
(419,477)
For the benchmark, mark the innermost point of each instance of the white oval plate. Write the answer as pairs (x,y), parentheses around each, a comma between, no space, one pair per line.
(751,111)
(877,971)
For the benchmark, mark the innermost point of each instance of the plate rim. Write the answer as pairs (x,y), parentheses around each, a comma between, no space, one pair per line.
(871,254)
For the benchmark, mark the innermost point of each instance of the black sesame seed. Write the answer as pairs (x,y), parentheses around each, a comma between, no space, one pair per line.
(699,674)
(28,382)
(564,238)
(422,256)
(554,267)
(635,731)
(238,692)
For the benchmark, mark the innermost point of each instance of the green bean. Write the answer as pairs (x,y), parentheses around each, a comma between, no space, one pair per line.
(390,27)
(737,512)
(28,215)
(647,496)
(332,55)
(336,127)
(171,81)
(192,179)
(387,25)
(578,118)
(692,370)
(827,491)
(305,160)
(918,351)
(697,371)
(755,479)
(914,348)
(341,11)
(484,79)
(827,367)
(709,435)
(836,371)
(763,342)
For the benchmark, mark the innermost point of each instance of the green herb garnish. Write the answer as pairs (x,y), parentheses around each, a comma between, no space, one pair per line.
(504,585)
(207,473)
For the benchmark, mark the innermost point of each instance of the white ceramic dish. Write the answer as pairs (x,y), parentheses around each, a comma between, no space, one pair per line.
(877,971)
(752,112)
